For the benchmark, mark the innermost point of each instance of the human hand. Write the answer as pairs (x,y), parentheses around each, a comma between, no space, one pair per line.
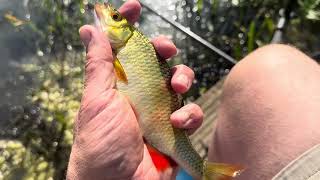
(107,140)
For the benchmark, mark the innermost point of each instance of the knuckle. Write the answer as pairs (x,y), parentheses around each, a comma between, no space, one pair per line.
(97,55)
(99,51)
(96,105)
(93,64)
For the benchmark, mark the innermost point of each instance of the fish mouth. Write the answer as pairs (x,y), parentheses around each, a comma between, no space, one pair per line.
(99,8)
(99,15)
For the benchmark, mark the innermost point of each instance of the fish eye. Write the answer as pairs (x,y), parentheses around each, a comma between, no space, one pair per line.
(116,17)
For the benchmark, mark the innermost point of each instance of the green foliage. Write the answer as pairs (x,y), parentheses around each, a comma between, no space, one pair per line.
(57,30)
(18,162)
(263,16)
(311,8)
(214,5)
(45,124)
(199,5)
(238,27)
(251,36)
(42,129)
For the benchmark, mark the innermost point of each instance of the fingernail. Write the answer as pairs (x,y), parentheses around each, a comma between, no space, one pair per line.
(184,80)
(85,36)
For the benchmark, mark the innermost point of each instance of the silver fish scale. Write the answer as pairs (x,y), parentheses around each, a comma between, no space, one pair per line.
(150,91)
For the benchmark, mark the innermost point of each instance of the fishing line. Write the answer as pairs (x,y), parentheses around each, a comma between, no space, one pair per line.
(182,29)
(191,34)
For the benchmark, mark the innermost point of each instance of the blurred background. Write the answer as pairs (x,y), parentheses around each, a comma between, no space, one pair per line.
(42,58)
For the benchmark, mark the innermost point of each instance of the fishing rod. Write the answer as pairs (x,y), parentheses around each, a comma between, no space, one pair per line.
(191,34)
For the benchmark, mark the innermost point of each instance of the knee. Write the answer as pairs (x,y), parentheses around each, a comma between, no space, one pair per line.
(269,65)
(268,72)
(262,104)
(271,62)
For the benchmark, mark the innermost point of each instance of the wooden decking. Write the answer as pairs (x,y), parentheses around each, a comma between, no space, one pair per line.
(209,103)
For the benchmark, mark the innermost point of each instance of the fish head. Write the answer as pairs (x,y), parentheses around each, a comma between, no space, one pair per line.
(113,24)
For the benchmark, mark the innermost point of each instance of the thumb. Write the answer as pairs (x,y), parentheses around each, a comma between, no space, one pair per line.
(99,75)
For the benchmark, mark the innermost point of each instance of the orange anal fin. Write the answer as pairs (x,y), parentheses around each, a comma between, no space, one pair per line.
(160,161)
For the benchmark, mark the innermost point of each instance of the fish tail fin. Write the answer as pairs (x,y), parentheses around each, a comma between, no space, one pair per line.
(160,161)
(220,171)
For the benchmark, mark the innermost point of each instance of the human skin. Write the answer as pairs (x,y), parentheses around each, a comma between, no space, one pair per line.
(107,140)
(269,112)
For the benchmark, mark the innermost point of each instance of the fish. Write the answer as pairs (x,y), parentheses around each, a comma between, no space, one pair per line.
(145,79)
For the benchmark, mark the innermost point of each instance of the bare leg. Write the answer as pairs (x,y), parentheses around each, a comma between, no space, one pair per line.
(269,113)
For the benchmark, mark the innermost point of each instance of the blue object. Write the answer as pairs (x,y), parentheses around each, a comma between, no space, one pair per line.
(183,175)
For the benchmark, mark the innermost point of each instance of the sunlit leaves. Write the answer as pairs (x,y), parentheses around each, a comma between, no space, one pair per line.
(313,15)
(17,162)
(311,8)
(57,97)
(59,25)
(54,100)
(43,128)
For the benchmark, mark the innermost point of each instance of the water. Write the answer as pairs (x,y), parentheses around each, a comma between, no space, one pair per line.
(14,85)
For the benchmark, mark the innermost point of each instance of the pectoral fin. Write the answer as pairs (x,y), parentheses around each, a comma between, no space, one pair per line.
(119,71)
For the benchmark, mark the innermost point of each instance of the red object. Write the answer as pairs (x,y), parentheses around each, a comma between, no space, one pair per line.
(160,161)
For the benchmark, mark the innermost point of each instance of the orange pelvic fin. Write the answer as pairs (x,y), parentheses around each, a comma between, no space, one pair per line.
(161,161)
